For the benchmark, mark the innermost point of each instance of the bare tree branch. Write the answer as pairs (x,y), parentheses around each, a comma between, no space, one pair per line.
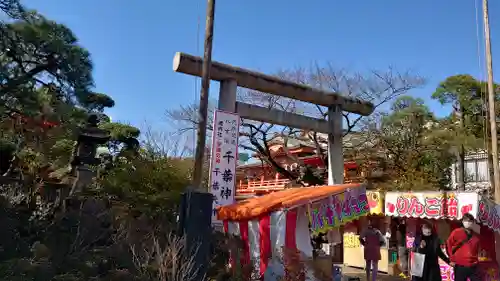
(378,87)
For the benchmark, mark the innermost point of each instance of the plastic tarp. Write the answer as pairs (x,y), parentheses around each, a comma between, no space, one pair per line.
(285,199)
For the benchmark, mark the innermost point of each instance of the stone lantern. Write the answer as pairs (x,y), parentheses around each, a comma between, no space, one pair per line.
(84,159)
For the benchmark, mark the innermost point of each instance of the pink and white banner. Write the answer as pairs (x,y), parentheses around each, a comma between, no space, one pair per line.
(489,214)
(223,159)
(266,238)
(431,205)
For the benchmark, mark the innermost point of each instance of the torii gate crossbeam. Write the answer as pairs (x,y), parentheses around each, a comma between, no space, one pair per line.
(231,77)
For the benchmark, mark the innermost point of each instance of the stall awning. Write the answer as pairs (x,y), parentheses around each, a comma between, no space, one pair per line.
(288,198)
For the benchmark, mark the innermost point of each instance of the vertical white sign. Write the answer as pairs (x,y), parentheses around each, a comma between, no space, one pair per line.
(223,158)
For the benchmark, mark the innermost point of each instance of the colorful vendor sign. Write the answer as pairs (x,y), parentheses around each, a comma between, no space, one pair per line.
(411,229)
(433,205)
(337,210)
(487,271)
(351,240)
(376,202)
(488,214)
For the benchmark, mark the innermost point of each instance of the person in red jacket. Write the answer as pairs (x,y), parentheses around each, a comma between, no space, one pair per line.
(463,250)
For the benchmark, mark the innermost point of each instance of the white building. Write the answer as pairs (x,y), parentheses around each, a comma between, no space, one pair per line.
(476,172)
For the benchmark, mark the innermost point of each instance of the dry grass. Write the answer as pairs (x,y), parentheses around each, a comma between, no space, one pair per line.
(166,260)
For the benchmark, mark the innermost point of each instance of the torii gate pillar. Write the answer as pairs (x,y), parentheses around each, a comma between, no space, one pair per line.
(335,144)
(227,102)
(227,95)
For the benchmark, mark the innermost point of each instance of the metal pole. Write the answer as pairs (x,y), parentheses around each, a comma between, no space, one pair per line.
(203,107)
(491,101)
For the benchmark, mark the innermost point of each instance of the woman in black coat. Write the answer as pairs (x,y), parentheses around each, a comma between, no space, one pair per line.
(428,244)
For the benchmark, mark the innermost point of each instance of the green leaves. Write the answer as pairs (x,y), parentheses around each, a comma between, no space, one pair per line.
(468,96)
(46,94)
(416,154)
(97,102)
(152,186)
(120,131)
(463,89)
(46,77)
(34,52)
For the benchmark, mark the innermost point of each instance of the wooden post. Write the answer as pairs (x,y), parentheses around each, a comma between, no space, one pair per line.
(491,102)
(195,216)
(495,185)
(203,107)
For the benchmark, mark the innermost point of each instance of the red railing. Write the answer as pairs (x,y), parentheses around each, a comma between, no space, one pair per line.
(261,185)
(354,179)
(245,187)
(275,185)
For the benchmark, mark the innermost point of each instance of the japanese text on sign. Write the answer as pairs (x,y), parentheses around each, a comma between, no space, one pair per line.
(488,214)
(351,241)
(223,159)
(485,271)
(410,239)
(431,205)
(447,273)
(337,210)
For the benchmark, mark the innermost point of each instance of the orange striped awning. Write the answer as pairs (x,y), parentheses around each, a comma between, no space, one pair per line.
(288,198)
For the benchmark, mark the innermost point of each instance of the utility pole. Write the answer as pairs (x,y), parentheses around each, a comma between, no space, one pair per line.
(195,215)
(460,166)
(491,102)
(205,87)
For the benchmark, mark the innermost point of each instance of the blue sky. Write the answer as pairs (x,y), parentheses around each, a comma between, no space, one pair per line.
(133,42)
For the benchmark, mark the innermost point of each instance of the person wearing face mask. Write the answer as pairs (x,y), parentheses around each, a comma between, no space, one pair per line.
(371,239)
(428,244)
(463,248)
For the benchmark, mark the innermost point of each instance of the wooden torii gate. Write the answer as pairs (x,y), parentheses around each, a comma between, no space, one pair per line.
(230,77)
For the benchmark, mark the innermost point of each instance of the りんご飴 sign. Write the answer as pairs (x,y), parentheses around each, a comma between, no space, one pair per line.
(433,205)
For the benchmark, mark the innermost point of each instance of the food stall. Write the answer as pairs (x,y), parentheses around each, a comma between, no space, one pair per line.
(283,222)
(489,216)
(444,210)
(353,250)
